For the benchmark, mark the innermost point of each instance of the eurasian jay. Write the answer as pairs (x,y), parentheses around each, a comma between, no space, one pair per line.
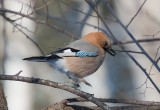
(80,58)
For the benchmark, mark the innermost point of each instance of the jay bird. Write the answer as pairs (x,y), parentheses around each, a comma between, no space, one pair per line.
(80,58)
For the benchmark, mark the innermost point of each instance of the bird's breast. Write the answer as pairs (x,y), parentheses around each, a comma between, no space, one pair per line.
(85,66)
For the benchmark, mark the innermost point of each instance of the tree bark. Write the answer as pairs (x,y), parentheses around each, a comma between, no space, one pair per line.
(3,101)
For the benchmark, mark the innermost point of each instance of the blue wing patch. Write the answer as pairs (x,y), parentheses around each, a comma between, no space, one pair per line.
(85,54)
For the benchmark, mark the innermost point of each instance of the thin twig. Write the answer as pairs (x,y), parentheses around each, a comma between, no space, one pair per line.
(88,2)
(130,51)
(136,62)
(158,60)
(83,22)
(17,74)
(5,40)
(38,21)
(87,15)
(15,26)
(96,8)
(154,59)
(46,6)
(153,34)
(84,12)
(43,6)
(140,41)
(28,37)
(136,14)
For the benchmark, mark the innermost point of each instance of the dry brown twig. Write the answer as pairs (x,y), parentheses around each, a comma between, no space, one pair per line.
(83,96)
(70,89)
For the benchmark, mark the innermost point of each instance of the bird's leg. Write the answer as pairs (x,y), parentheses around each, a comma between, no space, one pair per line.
(71,80)
(82,80)
(79,80)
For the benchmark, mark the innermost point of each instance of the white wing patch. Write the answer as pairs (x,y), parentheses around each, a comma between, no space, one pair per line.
(48,55)
(67,50)
(72,54)
(65,53)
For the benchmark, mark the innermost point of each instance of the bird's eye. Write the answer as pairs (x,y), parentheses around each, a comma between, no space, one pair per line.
(106,43)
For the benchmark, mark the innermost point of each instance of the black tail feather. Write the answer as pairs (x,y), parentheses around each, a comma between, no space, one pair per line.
(36,59)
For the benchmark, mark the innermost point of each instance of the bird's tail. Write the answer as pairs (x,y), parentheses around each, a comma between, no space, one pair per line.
(36,59)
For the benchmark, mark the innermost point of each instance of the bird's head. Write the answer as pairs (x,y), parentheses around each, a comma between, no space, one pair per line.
(101,41)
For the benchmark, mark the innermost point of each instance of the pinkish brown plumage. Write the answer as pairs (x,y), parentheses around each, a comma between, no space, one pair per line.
(91,51)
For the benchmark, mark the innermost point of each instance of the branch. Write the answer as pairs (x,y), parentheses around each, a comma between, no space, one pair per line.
(140,41)
(3,101)
(131,36)
(133,59)
(130,51)
(28,37)
(136,13)
(136,104)
(122,101)
(44,6)
(80,11)
(2,10)
(87,15)
(144,70)
(153,35)
(69,20)
(70,89)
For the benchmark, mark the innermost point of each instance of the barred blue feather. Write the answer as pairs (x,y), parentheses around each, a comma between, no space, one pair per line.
(85,54)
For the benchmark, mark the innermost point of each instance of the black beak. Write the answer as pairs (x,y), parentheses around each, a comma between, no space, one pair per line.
(111,51)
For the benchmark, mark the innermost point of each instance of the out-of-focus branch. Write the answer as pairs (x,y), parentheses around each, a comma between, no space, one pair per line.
(68,20)
(140,41)
(131,36)
(46,9)
(2,10)
(136,13)
(133,59)
(70,89)
(44,6)
(80,11)
(16,26)
(5,40)
(3,101)
(87,15)
(129,51)
(153,35)
(122,101)
(136,104)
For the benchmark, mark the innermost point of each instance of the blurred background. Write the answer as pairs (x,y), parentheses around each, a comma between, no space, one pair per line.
(119,77)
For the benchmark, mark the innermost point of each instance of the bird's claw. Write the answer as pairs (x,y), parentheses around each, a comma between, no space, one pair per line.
(72,81)
(77,83)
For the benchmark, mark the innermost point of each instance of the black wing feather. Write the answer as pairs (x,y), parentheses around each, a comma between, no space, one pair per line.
(63,49)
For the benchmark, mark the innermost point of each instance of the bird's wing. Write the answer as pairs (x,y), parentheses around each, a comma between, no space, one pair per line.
(72,52)
(64,52)
(83,45)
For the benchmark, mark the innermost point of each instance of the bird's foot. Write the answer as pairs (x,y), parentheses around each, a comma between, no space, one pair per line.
(77,80)
(72,81)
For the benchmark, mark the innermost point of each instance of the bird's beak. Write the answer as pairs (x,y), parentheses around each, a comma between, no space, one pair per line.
(111,51)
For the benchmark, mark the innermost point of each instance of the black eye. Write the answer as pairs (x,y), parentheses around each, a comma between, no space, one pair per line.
(106,43)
